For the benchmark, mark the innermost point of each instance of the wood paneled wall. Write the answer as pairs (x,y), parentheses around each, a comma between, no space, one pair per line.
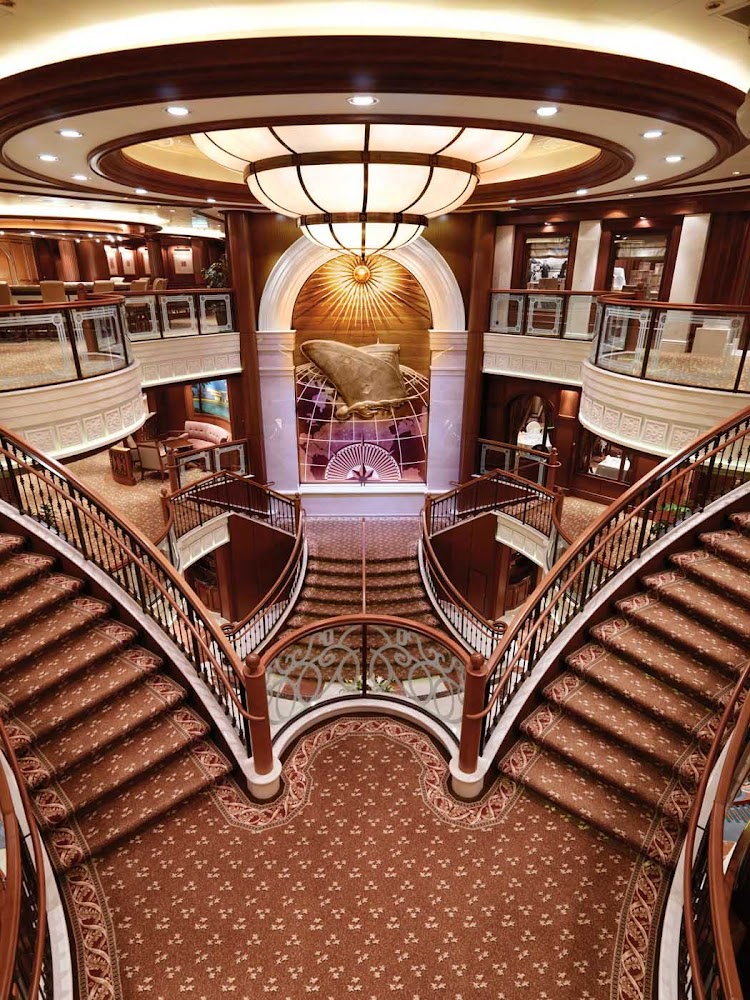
(17,261)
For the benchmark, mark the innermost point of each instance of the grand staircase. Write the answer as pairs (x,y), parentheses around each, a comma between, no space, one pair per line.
(620,737)
(103,736)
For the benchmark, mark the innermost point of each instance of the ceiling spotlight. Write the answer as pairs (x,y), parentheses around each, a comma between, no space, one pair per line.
(91,236)
(70,133)
(582,191)
(141,191)
(652,133)
(362,100)
(212,201)
(48,157)
(735,173)
(32,232)
(642,218)
(512,201)
(177,110)
(547,111)
(641,177)
(80,177)
(674,158)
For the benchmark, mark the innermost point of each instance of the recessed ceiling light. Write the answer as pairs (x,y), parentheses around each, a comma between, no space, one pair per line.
(48,157)
(80,177)
(582,191)
(642,218)
(211,200)
(32,232)
(70,133)
(141,191)
(91,236)
(735,173)
(177,110)
(641,177)
(674,158)
(362,100)
(512,201)
(653,133)
(547,110)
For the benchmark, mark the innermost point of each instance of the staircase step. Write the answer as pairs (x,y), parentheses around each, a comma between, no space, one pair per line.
(716,573)
(41,594)
(16,570)
(593,801)
(88,737)
(609,762)
(141,804)
(678,628)
(62,662)
(730,544)
(701,603)
(62,621)
(632,684)
(10,544)
(741,520)
(122,763)
(86,691)
(618,721)
(674,666)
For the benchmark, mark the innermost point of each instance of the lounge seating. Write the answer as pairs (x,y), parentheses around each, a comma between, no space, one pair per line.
(205,435)
(103,287)
(153,458)
(159,285)
(53,291)
(139,285)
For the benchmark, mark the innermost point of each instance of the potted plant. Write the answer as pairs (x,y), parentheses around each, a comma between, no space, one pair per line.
(216,275)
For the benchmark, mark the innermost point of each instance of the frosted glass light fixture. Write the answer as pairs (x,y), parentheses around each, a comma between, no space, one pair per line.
(362,187)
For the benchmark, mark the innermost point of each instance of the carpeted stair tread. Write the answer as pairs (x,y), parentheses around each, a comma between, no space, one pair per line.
(700,640)
(42,593)
(120,764)
(741,520)
(86,690)
(662,659)
(10,544)
(62,661)
(63,620)
(114,720)
(619,721)
(632,684)
(715,573)
(608,761)
(731,544)
(15,570)
(593,801)
(701,603)
(138,805)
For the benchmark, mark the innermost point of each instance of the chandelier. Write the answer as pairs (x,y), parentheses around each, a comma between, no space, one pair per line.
(362,187)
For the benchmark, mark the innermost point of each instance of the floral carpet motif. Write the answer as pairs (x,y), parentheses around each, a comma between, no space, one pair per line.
(366,877)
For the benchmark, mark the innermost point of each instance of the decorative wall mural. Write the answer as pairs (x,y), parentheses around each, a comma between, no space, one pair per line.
(362,357)
(212,398)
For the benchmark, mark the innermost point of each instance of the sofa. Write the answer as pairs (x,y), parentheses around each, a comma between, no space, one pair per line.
(204,435)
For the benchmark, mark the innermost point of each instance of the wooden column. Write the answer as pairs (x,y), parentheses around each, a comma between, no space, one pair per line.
(481,282)
(155,259)
(249,421)
(92,260)
(200,260)
(67,267)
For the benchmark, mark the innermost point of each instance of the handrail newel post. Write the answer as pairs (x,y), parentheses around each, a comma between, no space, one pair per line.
(464,780)
(264,770)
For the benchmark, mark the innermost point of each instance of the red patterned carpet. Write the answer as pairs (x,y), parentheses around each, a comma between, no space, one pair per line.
(366,879)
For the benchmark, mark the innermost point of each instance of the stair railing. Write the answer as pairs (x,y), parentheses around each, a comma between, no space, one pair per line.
(25,956)
(679,487)
(41,488)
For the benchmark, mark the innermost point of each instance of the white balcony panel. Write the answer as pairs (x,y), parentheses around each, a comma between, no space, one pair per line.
(178,359)
(547,359)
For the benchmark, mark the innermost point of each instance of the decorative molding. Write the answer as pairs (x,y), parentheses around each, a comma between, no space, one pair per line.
(522,538)
(195,544)
(547,359)
(175,359)
(76,417)
(653,417)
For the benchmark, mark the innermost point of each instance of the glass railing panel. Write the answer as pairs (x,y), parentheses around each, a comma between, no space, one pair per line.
(506,313)
(215,312)
(690,348)
(178,315)
(580,320)
(99,342)
(141,319)
(544,315)
(622,340)
(35,350)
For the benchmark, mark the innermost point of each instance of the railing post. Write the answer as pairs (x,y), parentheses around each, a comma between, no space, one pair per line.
(254,680)
(475,685)
(552,464)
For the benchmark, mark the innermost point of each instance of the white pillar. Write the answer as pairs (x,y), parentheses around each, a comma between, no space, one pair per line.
(587,255)
(277,399)
(503,263)
(447,375)
(690,254)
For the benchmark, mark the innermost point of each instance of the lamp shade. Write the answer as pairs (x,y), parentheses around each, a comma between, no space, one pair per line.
(362,186)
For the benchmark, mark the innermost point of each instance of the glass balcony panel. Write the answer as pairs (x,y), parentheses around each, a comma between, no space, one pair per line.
(35,350)
(99,342)
(216,313)
(178,315)
(141,318)
(544,315)
(698,349)
(622,340)
(580,321)
(506,313)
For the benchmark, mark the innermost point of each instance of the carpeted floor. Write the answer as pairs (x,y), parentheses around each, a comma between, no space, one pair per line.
(578,515)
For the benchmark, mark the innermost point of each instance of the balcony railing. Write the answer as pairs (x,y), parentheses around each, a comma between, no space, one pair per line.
(50,344)
(538,312)
(704,346)
(190,312)
(536,466)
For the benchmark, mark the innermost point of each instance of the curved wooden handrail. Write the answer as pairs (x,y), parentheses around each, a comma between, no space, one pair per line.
(557,508)
(10,893)
(486,476)
(507,446)
(204,290)
(207,624)
(521,622)
(7,957)
(108,299)
(611,299)
(232,475)
(543,291)
(719,902)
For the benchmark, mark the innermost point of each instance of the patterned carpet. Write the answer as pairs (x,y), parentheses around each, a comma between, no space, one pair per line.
(578,515)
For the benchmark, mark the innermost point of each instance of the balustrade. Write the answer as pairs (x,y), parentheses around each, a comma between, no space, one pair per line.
(542,313)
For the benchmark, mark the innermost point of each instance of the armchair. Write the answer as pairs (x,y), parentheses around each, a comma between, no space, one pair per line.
(153,458)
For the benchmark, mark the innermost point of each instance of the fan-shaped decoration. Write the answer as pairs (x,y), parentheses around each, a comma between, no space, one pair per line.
(362,463)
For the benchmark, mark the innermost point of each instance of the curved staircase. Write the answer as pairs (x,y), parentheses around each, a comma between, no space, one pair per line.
(621,734)
(103,736)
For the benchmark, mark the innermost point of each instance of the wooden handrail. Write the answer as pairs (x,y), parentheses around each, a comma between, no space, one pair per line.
(543,291)
(607,297)
(507,446)
(108,299)
(232,475)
